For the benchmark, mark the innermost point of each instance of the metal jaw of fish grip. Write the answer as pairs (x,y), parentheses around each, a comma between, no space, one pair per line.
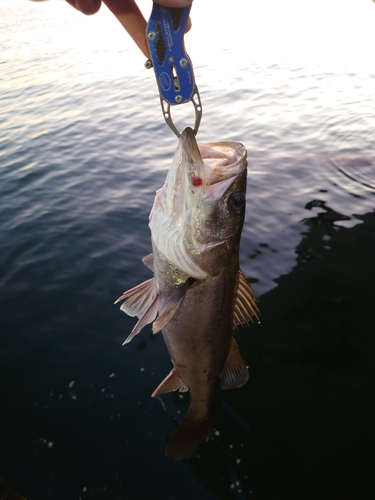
(172,66)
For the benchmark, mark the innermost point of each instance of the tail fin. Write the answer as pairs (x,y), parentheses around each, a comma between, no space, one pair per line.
(188,437)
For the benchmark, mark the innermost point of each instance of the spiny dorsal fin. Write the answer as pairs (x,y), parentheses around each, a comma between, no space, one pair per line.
(235,372)
(172,382)
(245,306)
(141,301)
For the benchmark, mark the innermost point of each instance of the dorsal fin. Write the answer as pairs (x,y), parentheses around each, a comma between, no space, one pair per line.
(245,306)
(235,372)
(141,301)
(172,382)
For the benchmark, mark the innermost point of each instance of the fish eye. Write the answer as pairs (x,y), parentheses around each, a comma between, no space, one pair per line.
(236,200)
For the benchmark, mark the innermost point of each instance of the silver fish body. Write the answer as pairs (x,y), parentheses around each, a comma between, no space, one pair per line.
(198,294)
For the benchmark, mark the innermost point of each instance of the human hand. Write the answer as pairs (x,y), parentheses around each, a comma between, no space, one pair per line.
(129,15)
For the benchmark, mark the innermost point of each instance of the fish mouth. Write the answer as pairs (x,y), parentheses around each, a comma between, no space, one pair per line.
(212,162)
(189,144)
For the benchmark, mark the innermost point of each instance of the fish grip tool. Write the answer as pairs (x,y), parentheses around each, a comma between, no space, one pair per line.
(173,68)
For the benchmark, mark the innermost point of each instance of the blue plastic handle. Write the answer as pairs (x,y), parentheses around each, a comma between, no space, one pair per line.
(172,65)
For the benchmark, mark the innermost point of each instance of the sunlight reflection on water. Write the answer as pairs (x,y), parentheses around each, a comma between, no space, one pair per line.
(87,96)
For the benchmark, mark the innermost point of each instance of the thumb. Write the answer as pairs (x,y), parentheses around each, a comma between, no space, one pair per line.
(87,7)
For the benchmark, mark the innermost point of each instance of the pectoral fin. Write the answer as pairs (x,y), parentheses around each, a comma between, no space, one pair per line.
(141,301)
(166,314)
(171,383)
(245,306)
(235,372)
(169,305)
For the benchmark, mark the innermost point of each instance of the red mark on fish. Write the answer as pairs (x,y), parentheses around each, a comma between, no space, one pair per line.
(196,181)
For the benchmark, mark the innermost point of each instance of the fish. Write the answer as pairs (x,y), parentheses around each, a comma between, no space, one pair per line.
(198,293)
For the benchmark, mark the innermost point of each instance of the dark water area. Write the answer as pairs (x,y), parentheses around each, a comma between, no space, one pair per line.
(80,160)
(301,427)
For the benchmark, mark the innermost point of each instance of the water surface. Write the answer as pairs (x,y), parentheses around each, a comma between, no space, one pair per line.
(83,147)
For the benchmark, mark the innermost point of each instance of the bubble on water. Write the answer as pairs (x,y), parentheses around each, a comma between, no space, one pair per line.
(84,489)
(231,446)
(238,461)
(217,433)
(71,384)
(231,486)
(111,375)
(74,396)
(50,444)
(142,369)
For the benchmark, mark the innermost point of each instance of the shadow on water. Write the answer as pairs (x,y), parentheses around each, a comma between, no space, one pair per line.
(302,427)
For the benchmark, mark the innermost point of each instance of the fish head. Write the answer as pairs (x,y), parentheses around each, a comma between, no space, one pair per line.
(198,214)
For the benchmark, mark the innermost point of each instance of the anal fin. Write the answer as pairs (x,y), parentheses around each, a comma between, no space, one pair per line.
(172,382)
(235,372)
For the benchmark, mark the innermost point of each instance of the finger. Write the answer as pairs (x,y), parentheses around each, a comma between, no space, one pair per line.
(178,4)
(175,3)
(87,7)
(188,25)
(129,15)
